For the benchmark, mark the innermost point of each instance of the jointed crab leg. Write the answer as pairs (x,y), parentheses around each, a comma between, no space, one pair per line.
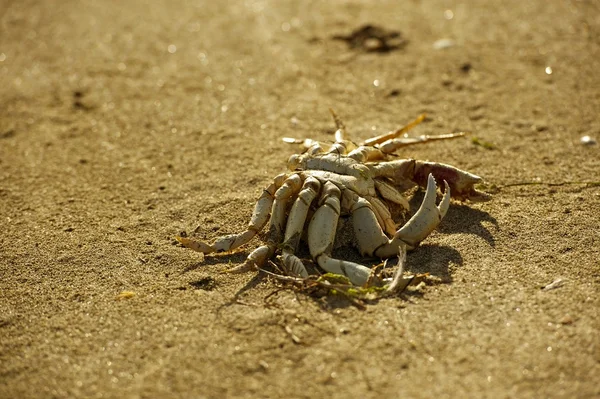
(259,256)
(390,193)
(461,182)
(391,135)
(295,226)
(340,133)
(260,216)
(311,146)
(339,148)
(384,217)
(378,152)
(366,153)
(389,146)
(375,148)
(290,187)
(321,235)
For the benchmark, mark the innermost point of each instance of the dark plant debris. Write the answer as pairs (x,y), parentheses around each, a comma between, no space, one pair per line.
(373,39)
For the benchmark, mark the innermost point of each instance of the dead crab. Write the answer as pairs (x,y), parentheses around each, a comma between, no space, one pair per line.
(347,179)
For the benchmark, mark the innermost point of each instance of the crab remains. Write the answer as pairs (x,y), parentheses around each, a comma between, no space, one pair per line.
(348,179)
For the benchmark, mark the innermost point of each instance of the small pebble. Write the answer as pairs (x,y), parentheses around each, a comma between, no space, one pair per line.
(587,140)
(443,43)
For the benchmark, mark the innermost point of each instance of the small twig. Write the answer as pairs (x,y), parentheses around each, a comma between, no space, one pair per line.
(282,277)
(559,282)
(240,302)
(277,291)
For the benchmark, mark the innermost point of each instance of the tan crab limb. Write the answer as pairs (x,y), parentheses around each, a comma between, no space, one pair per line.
(392,145)
(338,148)
(330,162)
(260,216)
(377,215)
(295,225)
(384,217)
(367,228)
(427,217)
(340,133)
(290,187)
(341,145)
(391,135)
(389,192)
(398,172)
(321,235)
(311,146)
(259,256)
(293,265)
(366,153)
(461,183)
(197,246)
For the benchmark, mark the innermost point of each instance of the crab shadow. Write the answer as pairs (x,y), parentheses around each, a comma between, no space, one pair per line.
(462,218)
(234,259)
(435,260)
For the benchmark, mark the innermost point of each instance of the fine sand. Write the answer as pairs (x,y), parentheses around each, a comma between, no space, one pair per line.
(123,123)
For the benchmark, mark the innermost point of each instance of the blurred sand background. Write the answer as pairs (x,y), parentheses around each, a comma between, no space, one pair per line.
(124,123)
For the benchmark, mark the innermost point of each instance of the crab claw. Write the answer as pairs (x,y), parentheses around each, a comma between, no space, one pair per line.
(223,244)
(461,182)
(256,259)
(198,246)
(427,217)
(293,265)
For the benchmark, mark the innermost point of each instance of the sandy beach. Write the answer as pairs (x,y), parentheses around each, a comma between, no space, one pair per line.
(123,124)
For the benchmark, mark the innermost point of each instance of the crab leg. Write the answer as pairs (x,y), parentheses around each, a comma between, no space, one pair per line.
(461,183)
(391,135)
(390,193)
(367,229)
(295,226)
(341,145)
(339,148)
(384,217)
(311,146)
(259,256)
(321,235)
(260,216)
(392,145)
(366,153)
(370,236)
(340,133)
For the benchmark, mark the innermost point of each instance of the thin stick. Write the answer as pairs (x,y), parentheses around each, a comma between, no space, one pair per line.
(394,134)
(537,183)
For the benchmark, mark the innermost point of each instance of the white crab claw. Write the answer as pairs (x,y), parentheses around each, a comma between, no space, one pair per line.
(198,246)
(427,217)
(293,265)
(445,203)
(357,274)
(256,259)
